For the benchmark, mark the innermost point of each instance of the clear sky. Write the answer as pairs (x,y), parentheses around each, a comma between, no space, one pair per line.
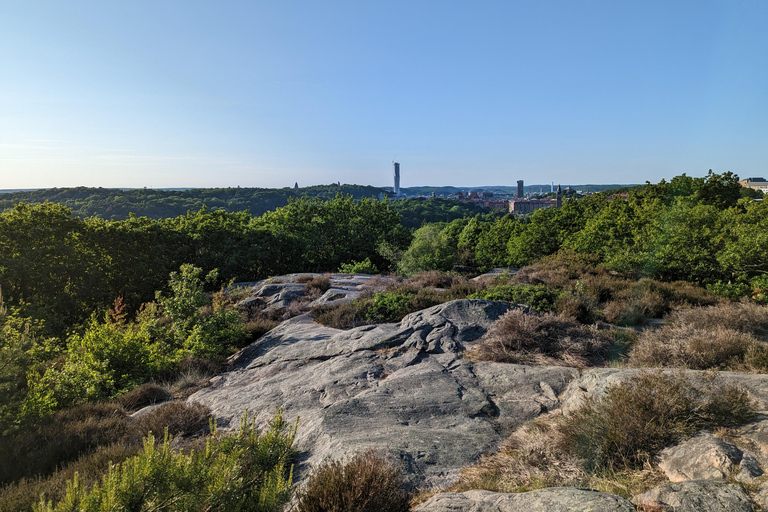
(268,93)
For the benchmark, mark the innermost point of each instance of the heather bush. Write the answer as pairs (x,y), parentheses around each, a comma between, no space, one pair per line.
(687,346)
(649,411)
(58,439)
(518,337)
(144,395)
(24,494)
(177,418)
(368,482)
(318,284)
(248,470)
(741,316)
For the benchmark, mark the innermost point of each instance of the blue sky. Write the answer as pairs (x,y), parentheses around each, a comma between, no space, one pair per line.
(264,94)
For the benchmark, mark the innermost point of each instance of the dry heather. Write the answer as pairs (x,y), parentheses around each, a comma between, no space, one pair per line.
(745,317)
(549,339)
(729,336)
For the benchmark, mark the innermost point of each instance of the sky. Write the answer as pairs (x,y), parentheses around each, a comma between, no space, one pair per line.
(268,93)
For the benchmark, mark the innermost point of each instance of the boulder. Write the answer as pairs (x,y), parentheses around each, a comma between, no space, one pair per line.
(552,499)
(697,496)
(401,387)
(704,457)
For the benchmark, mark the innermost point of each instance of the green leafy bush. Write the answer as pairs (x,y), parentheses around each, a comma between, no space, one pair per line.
(640,416)
(368,482)
(359,267)
(538,297)
(248,470)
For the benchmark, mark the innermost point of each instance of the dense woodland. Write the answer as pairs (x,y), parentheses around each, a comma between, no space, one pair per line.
(92,308)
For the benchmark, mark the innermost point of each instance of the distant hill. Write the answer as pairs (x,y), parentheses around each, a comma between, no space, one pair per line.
(116,204)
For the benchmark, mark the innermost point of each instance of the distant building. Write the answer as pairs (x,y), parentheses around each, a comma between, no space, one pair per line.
(296,185)
(526,206)
(755,183)
(520,190)
(397,179)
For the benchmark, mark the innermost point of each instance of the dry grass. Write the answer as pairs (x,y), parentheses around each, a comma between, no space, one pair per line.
(522,338)
(745,317)
(728,336)
(368,482)
(686,346)
(533,458)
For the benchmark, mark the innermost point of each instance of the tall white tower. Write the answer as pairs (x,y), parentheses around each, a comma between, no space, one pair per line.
(397,179)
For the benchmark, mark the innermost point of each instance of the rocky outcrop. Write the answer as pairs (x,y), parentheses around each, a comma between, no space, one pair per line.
(401,387)
(704,457)
(696,496)
(553,499)
(406,388)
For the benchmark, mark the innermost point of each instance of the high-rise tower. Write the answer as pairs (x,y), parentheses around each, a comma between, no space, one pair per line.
(559,197)
(520,188)
(397,179)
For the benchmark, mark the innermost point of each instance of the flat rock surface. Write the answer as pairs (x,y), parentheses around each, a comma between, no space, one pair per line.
(552,499)
(697,496)
(400,387)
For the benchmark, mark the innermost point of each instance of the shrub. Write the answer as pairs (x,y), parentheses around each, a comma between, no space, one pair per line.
(368,482)
(359,267)
(539,297)
(178,418)
(248,470)
(523,338)
(649,411)
(318,284)
(741,316)
(339,316)
(144,395)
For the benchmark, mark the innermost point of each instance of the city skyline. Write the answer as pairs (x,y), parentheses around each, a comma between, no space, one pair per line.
(188,95)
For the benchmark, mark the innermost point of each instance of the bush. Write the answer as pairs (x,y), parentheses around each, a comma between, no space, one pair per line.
(248,470)
(318,285)
(178,418)
(523,338)
(686,346)
(539,297)
(741,316)
(368,482)
(359,267)
(144,395)
(640,416)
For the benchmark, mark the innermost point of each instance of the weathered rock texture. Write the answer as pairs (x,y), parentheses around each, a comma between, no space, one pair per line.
(697,496)
(400,387)
(553,499)
(406,388)
(704,457)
